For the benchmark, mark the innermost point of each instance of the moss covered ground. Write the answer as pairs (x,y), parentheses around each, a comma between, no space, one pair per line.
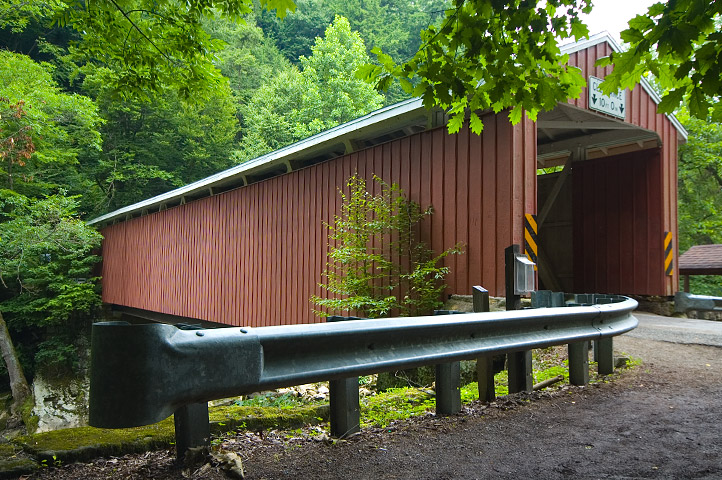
(28,452)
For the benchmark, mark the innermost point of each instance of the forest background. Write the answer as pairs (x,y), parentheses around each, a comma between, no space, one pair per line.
(73,146)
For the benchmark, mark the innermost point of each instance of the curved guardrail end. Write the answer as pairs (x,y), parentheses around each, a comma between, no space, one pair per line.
(141,374)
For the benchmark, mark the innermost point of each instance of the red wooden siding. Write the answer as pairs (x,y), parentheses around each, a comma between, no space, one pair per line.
(642,111)
(254,256)
(617,221)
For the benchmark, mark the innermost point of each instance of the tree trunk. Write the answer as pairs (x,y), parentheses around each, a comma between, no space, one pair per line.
(18,384)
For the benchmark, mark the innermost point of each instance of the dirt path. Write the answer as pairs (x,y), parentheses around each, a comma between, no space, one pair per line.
(661,420)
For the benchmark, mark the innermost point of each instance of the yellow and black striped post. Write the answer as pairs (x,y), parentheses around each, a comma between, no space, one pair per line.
(531,248)
(668,254)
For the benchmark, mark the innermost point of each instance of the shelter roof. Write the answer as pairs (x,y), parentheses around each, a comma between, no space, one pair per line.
(380,126)
(701,260)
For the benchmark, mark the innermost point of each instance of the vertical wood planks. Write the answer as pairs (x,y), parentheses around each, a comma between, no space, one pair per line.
(255,255)
(616,251)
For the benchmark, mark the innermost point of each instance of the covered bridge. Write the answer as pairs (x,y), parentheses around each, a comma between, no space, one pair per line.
(247,246)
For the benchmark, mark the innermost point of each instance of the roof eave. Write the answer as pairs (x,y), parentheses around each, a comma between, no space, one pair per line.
(335,133)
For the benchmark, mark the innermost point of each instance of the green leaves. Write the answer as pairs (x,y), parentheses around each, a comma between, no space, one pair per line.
(680,44)
(44,133)
(671,101)
(698,103)
(492,55)
(153,147)
(700,183)
(578,29)
(282,7)
(475,123)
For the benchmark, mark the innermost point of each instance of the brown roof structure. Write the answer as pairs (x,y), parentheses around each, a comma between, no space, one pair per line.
(701,260)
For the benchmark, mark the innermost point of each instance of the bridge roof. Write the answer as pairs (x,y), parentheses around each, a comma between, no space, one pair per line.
(394,121)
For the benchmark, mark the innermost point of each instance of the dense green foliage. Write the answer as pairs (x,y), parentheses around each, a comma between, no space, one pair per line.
(377,262)
(700,183)
(45,260)
(249,59)
(46,279)
(296,104)
(150,148)
(58,130)
(151,44)
(700,193)
(392,25)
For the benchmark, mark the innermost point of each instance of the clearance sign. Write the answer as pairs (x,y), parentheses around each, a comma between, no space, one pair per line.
(614,104)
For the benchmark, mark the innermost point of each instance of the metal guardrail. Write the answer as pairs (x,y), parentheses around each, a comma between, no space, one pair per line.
(141,374)
(685,302)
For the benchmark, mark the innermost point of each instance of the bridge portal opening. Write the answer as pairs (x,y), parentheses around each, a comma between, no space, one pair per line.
(599,200)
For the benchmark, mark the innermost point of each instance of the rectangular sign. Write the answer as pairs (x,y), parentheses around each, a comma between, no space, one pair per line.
(614,104)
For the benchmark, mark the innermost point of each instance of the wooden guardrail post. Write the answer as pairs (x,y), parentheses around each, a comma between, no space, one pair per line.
(448,382)
(345,414)
(605,355)
(343,399)
(192,428)
(578,351)
(448,388)
(485,364)
(578,363)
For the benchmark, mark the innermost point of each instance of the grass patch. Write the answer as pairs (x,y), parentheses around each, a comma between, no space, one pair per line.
(395,404)
(272,399)
(255,418)
(551,372)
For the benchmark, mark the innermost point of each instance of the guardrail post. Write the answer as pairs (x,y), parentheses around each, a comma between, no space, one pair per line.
(345,415)
(192,428)
(448,388)
(605,356)
(578,351)
(520,372)
(343,399)
(448,383)
(485,364)
(604,351)
(579,363)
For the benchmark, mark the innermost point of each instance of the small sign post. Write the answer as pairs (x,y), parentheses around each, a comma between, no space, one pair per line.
(614,104)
